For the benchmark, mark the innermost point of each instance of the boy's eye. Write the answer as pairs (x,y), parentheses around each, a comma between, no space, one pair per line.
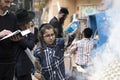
(49,35)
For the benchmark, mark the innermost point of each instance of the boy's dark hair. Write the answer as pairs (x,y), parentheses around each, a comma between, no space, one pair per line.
(42,25)
(87,32)
(45,26)
(64,10)
(42,29)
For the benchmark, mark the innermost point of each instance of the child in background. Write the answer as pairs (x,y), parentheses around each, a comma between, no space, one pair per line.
(83,48)
(23,62)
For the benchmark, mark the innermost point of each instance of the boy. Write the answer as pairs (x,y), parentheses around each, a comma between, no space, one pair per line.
(83,49)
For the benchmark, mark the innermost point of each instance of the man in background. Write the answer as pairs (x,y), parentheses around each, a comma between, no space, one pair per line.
(58,21)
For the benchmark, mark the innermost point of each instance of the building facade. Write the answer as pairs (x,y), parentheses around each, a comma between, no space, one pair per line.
(82,8)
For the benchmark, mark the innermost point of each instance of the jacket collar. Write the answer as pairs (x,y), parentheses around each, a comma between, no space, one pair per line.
(4,13)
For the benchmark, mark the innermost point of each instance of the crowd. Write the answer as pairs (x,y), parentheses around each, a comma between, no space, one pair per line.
(45,44)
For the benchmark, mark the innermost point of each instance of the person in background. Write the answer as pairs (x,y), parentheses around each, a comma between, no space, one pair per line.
(50,53)
(83,48)
(24,64)
(58,21)
(34,31)
(7,54)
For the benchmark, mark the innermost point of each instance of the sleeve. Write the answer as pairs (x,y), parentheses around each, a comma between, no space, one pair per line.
(74,47)
(70,39)
(37,52)
(54,23)
(28,42)
(38,58)
(36,35)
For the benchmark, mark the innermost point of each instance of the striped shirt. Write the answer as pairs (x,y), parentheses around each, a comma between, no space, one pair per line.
(52,62)
(83,49)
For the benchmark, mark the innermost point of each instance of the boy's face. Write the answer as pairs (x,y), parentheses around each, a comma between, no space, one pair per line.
(31,24)
(49,36)
(63,16)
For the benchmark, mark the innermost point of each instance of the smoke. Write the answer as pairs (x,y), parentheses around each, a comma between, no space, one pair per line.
(106,64)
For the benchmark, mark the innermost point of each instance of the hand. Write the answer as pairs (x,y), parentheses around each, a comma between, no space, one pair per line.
(5,32)
(32,29)
(37,75)
(16,37)
(76,31)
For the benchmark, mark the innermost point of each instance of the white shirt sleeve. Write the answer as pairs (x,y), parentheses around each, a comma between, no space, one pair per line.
(73,47)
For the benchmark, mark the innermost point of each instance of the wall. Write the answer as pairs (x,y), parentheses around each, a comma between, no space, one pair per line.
(82,3)
(74,6)
(55,5)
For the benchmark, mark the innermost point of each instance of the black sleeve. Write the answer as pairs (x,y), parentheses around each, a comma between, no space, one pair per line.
(70,40)
(54,23)
(36,35)
(28,42)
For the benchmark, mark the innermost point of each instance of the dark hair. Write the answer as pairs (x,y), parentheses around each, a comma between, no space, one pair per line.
(41,32)
(24,16)
(87,32)
(43,27)
(64,10)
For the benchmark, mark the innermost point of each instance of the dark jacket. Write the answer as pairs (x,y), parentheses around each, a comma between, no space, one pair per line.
(7,54)
(58,25)
(23,63)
